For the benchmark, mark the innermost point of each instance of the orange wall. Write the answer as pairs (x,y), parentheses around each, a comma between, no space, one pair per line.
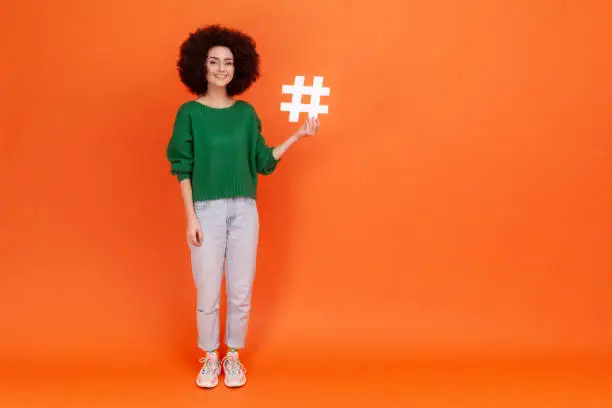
(456,199)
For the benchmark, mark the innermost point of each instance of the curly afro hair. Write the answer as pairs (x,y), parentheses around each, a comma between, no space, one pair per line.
(194,51)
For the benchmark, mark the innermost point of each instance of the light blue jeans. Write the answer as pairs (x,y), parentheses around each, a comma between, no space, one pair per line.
(230,230)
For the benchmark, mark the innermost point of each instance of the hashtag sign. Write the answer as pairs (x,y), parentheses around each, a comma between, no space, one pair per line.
(297,90)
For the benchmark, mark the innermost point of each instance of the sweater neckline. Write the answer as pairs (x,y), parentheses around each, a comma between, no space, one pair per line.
(216,109)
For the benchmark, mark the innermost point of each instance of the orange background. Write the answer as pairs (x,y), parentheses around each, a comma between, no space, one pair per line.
(456,200)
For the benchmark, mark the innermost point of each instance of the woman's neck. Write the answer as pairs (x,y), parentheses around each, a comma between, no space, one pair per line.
(216,97)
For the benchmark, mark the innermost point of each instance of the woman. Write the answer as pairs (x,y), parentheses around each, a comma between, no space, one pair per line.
(217,151)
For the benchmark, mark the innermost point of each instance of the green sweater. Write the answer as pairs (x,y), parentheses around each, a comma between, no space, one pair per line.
(221,150)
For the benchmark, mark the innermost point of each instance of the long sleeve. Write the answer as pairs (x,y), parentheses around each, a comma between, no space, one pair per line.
(264,158)
(180,147)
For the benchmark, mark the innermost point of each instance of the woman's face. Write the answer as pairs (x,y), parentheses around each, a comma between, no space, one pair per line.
(219,66)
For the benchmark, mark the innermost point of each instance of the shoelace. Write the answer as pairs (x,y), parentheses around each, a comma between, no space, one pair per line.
(210,365)
(235,366)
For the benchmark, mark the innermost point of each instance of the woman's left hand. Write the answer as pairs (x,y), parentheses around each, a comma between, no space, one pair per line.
(309,128)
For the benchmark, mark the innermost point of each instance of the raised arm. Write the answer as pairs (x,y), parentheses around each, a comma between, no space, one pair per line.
(268,157)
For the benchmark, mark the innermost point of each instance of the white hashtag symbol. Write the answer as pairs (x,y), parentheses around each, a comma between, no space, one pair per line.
(295,107)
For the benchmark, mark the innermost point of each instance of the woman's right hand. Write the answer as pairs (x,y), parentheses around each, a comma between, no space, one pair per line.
(194,232)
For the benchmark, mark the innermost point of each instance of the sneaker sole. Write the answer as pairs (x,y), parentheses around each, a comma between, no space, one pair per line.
(235,385)
(213,385)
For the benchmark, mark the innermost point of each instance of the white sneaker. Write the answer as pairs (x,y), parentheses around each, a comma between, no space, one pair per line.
(208,377)
(235,373)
